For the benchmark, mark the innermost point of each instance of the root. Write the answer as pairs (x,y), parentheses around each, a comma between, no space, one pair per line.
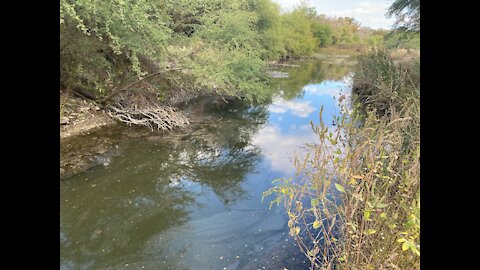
(138,104)
(159,117)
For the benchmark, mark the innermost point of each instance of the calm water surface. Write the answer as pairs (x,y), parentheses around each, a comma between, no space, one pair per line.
(191,199)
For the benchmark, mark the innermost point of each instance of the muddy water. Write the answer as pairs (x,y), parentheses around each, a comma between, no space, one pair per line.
(191,199)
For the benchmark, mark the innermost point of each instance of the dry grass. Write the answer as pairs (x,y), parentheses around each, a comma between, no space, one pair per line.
(405,55)
(355,201)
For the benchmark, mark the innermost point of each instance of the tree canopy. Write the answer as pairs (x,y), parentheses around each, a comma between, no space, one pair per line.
(220,46)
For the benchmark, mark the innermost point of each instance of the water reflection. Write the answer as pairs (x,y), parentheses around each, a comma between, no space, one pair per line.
(191,199)
(151,186)
(308,72)
(289,121)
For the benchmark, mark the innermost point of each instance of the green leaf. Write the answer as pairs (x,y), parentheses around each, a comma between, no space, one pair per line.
(316,224)
(339,187)
(415,250)
(314,202)
(366,214)
(401,240)
(405,246)
(383,215)
(370,231)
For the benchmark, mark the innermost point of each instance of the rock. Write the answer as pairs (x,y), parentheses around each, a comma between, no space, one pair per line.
(97,108)
(62,170)
(64,120)
(84,109)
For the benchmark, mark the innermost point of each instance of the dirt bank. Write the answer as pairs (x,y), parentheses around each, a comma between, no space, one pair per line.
(78,116)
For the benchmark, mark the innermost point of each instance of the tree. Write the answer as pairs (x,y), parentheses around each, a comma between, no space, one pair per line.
(103,42)
(407,13)
(269,28)
(298,36)
(323,33)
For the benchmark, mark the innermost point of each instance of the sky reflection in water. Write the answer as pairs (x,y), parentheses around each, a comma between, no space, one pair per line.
(289,122)
(192,200)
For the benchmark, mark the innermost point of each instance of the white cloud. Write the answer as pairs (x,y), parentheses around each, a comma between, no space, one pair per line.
(279,148)
(368,13)
(300,109)
(320,89)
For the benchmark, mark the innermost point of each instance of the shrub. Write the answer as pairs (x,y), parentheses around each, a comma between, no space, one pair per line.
(355,200)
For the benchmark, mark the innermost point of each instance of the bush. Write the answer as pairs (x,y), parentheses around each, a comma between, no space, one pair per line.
(383,85)
(355,200)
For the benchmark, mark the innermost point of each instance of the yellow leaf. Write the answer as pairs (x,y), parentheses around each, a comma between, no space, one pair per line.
(316,224)
(357,176)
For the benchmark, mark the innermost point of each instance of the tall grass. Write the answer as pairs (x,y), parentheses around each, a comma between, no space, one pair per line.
(355,200)
(385,86)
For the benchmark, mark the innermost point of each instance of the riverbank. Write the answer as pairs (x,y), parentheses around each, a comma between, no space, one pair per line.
(91,132)
(190,198)
(79,116)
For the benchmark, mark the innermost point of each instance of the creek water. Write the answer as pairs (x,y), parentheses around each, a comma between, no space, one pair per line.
(192,198)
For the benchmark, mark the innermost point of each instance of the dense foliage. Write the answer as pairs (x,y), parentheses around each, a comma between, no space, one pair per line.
(172,46)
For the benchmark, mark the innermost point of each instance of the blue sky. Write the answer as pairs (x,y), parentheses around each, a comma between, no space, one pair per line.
(369,13)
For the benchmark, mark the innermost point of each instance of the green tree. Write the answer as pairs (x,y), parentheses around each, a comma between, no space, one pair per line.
(323,33)
(269,27)
(298,37)
(100,41)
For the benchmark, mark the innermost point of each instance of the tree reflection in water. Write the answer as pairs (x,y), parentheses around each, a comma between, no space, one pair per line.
(309,72)
(219,154)
(144,206)
(110,213)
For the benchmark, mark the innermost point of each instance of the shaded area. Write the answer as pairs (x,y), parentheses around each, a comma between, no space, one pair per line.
(148,184)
